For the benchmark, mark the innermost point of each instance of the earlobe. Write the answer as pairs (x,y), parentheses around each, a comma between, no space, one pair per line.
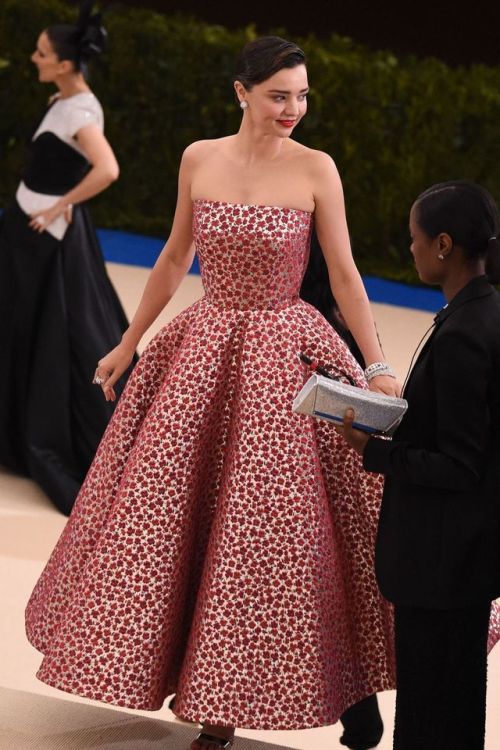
(240,91)
(445,246)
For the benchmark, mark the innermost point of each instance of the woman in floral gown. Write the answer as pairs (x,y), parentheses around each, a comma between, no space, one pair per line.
(222,546)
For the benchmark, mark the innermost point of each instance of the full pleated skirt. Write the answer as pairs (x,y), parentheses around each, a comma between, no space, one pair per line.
(221,546)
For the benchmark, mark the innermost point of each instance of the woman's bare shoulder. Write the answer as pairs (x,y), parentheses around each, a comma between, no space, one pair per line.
(319,159)
(199,150)
(310,159)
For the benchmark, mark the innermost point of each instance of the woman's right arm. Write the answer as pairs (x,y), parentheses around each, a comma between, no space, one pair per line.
(172,265)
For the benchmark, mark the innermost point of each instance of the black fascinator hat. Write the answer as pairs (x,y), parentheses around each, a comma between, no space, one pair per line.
(92,33)
(81,42)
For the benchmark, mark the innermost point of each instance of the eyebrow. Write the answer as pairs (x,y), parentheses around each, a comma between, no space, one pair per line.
(279,91)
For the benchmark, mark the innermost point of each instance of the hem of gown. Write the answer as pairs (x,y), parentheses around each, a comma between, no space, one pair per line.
(89,695)
(291,726)
(194,718)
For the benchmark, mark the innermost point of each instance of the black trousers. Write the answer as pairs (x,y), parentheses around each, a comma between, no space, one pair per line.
(363,727)
(441,678)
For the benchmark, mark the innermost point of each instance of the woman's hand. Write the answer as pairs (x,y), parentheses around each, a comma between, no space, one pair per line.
(111,367)
(355,438)
(40,220)
(385,384)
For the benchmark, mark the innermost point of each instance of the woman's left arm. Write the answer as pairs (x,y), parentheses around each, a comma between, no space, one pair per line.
(103,172)
(346,283)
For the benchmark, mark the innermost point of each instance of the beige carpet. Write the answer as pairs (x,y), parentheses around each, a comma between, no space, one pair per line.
(34,722)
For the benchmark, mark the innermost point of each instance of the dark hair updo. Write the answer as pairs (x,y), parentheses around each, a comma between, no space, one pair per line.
(262,58)
(468,214)
(79,43)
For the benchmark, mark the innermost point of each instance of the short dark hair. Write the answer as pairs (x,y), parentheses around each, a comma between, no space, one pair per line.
(81,41)
(263,57)
(468,214)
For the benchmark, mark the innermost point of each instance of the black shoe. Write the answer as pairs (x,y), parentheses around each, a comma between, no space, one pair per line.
(363,726)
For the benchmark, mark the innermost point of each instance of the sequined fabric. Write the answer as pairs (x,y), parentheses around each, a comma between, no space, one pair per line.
(222,546)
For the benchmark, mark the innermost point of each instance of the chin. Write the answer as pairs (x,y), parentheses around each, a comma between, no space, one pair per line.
(280,132)
(428,280)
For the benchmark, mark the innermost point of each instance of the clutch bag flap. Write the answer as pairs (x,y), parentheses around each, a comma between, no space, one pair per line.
(328,399)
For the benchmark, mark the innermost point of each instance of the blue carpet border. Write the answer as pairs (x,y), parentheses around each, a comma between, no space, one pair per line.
(139,250)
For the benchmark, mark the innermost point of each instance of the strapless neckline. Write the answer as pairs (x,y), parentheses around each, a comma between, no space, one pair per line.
(252,205)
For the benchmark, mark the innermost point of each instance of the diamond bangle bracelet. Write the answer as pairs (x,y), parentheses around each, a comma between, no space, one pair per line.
(378,368)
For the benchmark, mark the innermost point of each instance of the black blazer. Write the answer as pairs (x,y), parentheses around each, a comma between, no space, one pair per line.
(438,543)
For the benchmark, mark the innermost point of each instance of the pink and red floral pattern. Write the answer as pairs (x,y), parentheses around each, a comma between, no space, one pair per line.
(494,632)
(222,546)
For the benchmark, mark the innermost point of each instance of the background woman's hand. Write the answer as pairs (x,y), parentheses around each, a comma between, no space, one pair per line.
(40,220)
(385,384)
(111,367)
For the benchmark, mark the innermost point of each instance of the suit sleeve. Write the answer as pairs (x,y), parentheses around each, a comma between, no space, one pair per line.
(461,378)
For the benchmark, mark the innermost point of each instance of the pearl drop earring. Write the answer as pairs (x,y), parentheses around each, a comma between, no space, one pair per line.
(244,104)
(441,256)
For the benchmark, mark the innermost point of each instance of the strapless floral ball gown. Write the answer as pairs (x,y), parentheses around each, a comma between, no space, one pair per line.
(222,546)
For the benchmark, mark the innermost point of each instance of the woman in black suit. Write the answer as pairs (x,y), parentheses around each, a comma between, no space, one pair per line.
(438,550)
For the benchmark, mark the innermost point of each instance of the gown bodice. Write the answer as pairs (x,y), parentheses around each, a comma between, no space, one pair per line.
(251,257)
(56,163)
(53,167)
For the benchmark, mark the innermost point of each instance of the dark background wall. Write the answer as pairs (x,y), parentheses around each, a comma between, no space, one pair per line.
(394,124)
(458,31)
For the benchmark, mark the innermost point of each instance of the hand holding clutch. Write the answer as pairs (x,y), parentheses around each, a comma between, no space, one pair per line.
(329,399)
(355,438)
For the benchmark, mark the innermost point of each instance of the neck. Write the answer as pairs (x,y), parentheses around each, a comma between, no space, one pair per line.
(71,85)
(452,286)
(254,146)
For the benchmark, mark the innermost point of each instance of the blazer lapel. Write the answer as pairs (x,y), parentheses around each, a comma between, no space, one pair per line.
(430,333)
(478,287)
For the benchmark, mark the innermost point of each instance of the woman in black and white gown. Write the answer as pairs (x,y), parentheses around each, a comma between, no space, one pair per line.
(58,310)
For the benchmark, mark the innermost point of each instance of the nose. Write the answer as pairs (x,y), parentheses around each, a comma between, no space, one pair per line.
(292,109)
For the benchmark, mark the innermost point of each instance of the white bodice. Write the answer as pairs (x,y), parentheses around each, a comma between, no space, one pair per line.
(67,116)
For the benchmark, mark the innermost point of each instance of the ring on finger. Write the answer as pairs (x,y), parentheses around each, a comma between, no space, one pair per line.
(100,379)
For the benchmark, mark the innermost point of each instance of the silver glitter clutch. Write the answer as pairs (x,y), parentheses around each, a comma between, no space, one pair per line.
(328,399)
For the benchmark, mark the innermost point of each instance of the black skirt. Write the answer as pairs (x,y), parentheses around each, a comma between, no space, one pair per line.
(59,314)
